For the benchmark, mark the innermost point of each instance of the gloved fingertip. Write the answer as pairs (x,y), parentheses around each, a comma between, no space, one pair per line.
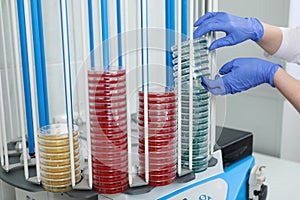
(211,47)
(203,82)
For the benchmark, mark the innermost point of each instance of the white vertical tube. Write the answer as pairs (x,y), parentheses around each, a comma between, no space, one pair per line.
(4,131)
(84,19)
(124,9)
(19,86)
(211,7)
(4,161)
(192,64)
(179,30)
(32,85)
(145,84)
(1,132)
(13,89)
(84,24)
(68,83)
(88,133)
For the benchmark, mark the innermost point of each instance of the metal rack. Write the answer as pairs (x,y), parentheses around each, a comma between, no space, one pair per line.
(104,40)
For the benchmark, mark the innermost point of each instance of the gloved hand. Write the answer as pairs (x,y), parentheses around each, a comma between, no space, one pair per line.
(241,74)
(237,29)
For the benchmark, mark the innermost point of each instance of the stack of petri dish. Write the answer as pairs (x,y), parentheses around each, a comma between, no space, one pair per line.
(55,161)
(200,68)
(162,127)
(200,116)
(108,126)
(200,113)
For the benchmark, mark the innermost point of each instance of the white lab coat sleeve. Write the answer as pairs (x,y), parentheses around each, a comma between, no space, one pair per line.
(289,49)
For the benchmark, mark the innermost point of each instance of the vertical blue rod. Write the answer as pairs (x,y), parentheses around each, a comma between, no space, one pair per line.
(184,22)
(119,26)
(104,21)
(43,61)
(69,66)
(91,32)
(25,70)
(38,64)
(170,41)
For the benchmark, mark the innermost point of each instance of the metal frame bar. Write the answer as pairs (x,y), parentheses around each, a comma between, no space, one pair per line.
(4,131)
(179,88)
(20,91)
(192,64)
(67,80)
(32,85)
(212,6)
(145,78)
(85,8)
(26,79)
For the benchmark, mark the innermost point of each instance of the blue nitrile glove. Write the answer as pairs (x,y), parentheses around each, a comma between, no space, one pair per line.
(237,29)
(241,74)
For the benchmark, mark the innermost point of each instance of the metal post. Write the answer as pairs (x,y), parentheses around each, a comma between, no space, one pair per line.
(179,36)
(145,71)
(20,91)
(67,80)
(32,85)
(192,64)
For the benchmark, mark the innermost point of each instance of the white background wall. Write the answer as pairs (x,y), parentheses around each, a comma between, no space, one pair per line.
(291,120)
(263,110)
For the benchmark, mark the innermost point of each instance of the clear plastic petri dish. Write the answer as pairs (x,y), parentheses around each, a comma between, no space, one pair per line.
(113,169)
(110,112)
(58,149)
(108,148)
(196,140)
(106,87)
(186,78)
(105,137)
(110,177)
(107,100)
(159,94)
(57,189)
(57,162)
(56,132)
(108,125)
(108,119)
(58,156)
(166,107)
(109,183)
(103,81)
(195,127)
(65,168)
(186,43)
(158,119)
(108,74)
(108,142)
(110,190)
(56,143)
(59,175)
